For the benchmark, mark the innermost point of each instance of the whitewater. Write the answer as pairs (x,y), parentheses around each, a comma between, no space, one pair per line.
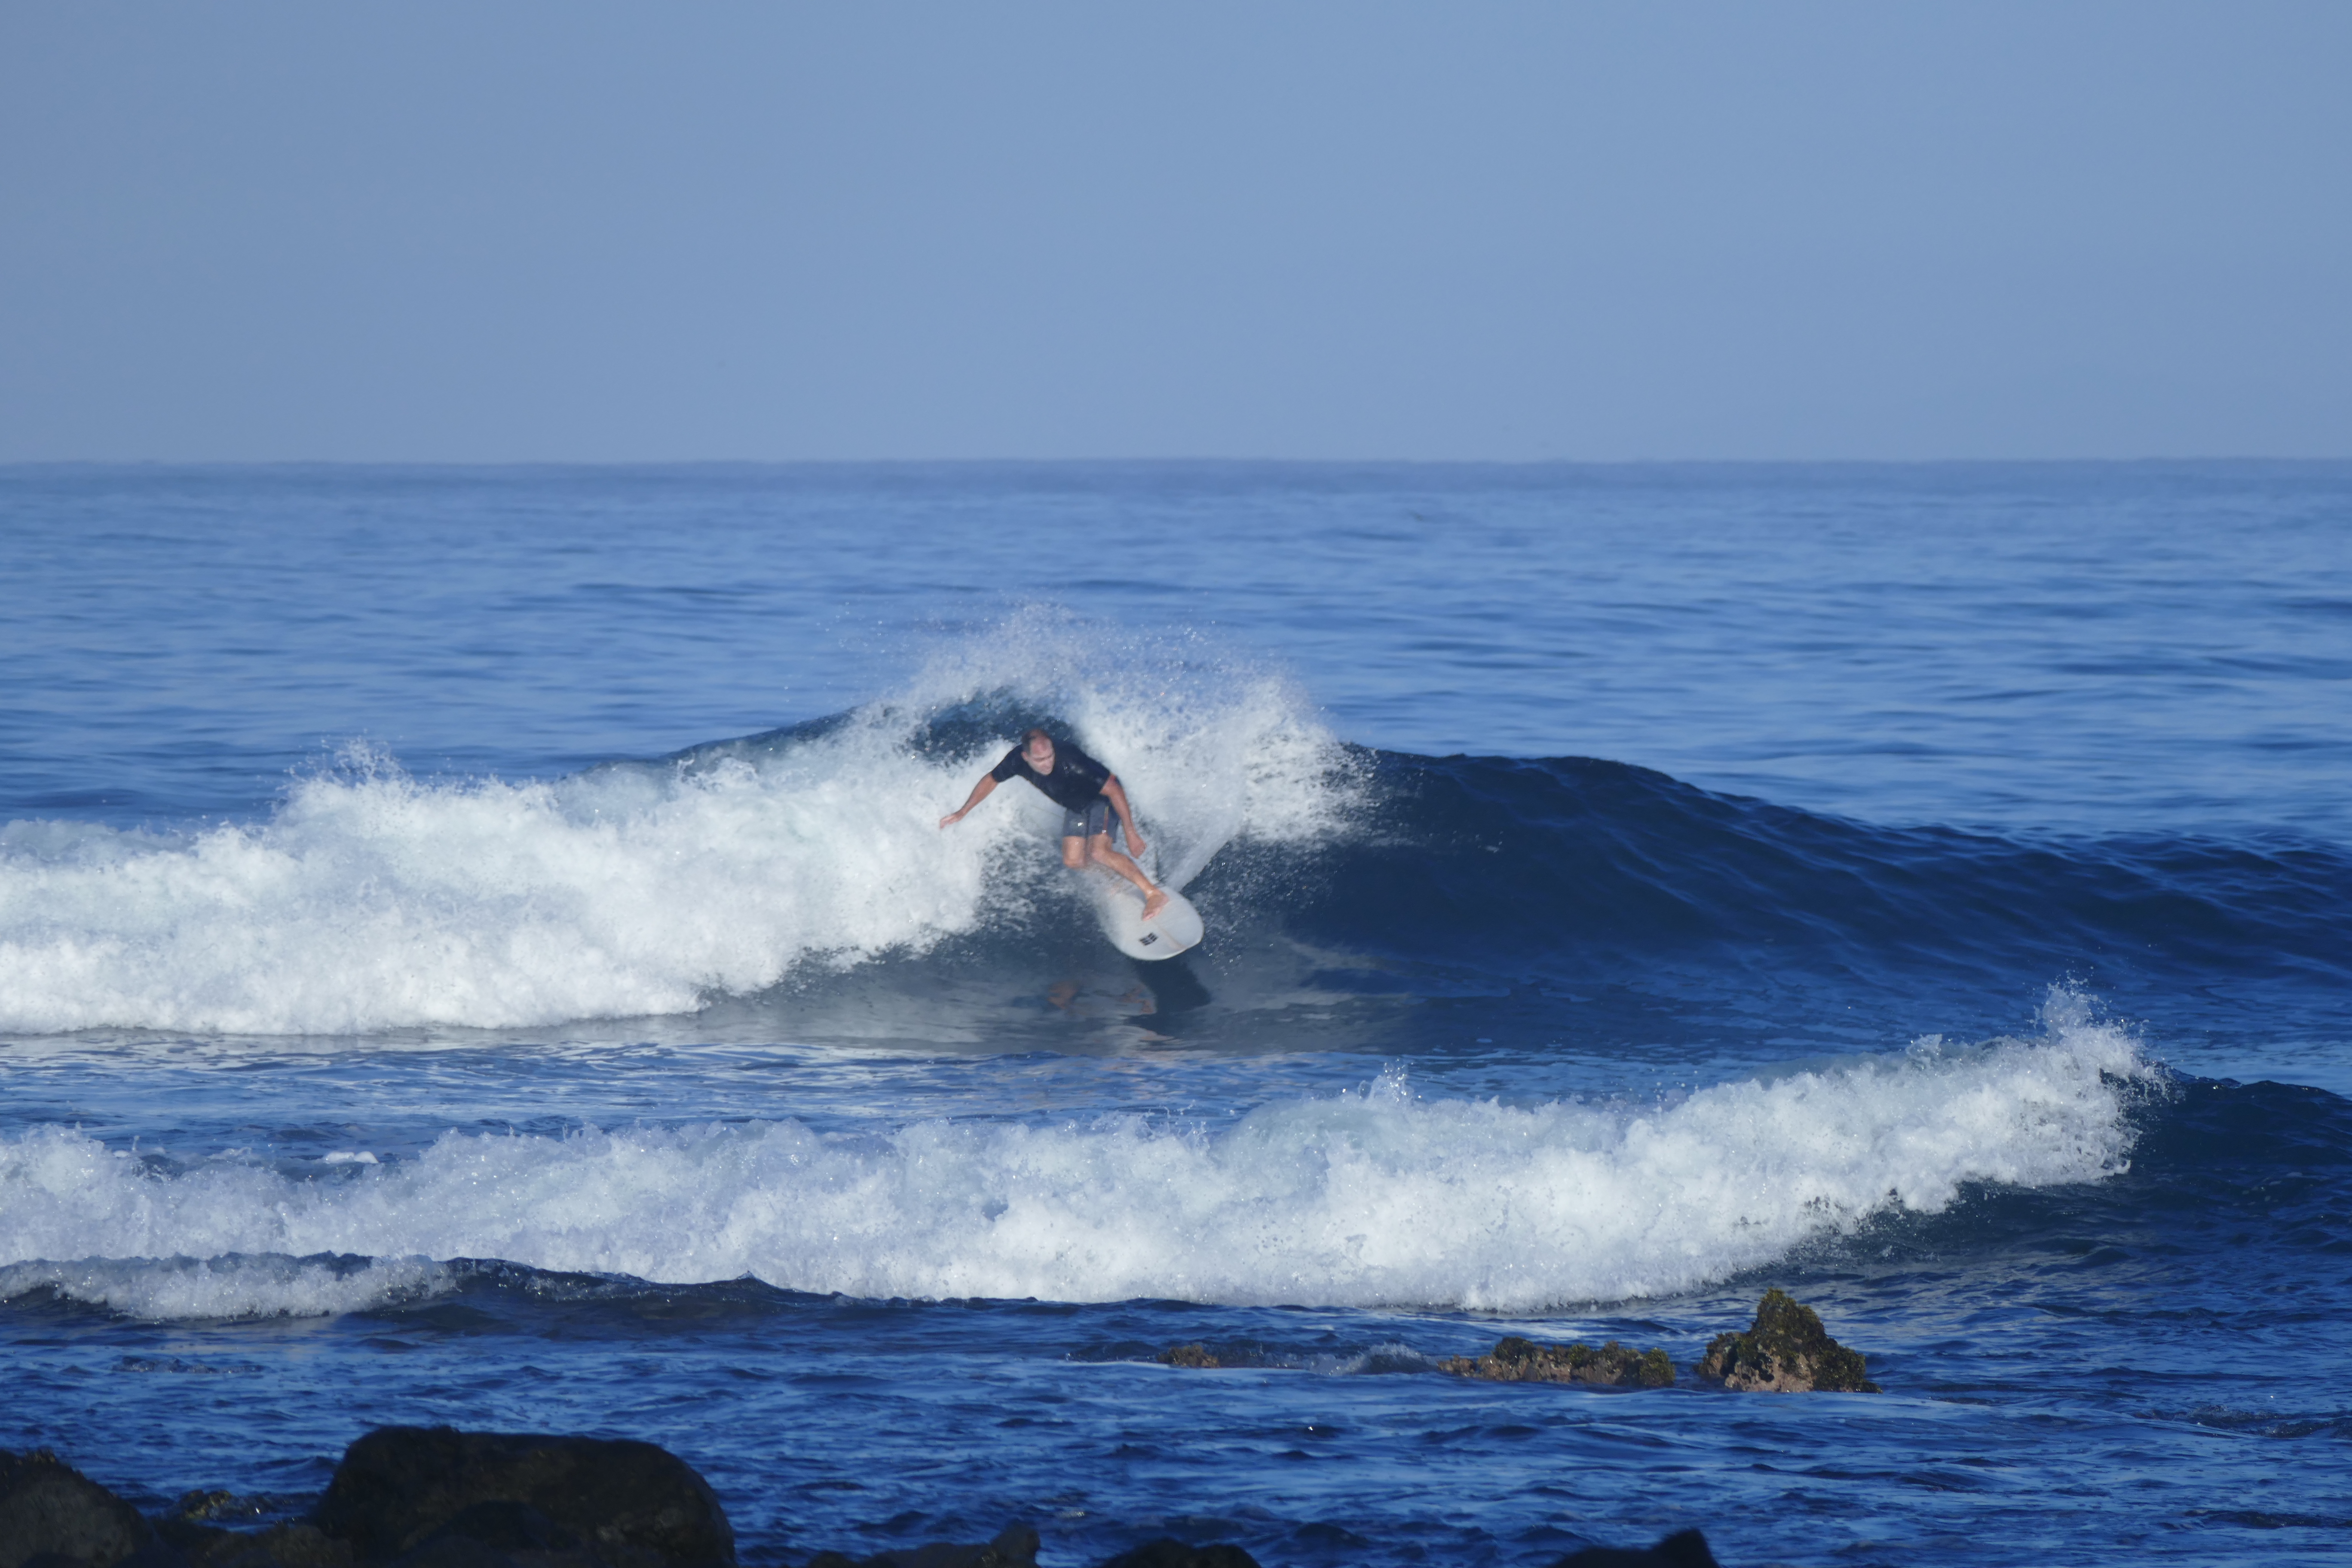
(1366,1200)
(477,947)
(372,900)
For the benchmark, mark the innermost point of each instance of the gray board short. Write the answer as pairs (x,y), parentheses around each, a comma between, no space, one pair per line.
(1095,817)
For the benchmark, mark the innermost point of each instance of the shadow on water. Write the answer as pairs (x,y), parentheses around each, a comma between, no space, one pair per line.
(1175,988)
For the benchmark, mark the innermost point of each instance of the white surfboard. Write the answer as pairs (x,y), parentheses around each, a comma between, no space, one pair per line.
(1175,928)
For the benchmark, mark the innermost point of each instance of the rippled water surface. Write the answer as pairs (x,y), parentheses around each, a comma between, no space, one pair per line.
(476,946)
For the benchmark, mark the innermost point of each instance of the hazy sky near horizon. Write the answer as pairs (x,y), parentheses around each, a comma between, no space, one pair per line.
(575,231)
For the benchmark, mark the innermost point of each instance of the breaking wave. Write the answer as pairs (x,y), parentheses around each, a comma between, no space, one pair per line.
(1361,1199)
(372,900)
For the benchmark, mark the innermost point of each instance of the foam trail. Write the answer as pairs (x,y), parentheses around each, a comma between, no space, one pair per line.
(1359,1200)
(372,901)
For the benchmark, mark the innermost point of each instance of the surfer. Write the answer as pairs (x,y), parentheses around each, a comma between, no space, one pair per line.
(1087,793)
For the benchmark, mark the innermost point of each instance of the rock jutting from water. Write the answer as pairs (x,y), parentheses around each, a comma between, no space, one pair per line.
(49,1510)
(406,1496)
(1015,1546)
(1614,1366)
(1684,1549)
(627,1504)
(1785,1350)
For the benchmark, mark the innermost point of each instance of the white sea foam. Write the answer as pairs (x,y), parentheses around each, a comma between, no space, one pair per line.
(369,900)
(231,1286)
(1361,1199)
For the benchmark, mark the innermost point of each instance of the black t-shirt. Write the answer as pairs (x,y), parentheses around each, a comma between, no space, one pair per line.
(1075,781)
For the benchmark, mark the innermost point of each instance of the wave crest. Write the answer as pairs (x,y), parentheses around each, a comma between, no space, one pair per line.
(1364,1199)
(371,901)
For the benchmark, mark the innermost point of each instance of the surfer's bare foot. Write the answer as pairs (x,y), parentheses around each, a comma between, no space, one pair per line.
(1153,903)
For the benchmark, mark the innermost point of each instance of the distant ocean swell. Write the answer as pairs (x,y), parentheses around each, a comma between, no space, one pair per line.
(1359,1199)
(1545,863)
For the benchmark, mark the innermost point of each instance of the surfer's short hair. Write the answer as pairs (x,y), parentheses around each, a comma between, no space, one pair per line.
(1029,735)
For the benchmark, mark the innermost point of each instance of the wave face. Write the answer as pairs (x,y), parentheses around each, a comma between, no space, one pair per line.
(372,901)
(1552,866)
(720,1100)
(1359,1199)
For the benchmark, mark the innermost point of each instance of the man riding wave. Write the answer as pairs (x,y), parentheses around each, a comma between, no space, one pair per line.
(1087,793)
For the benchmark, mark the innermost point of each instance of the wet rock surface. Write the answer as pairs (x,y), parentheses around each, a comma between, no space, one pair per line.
(1684,1549)
(1614,1366)
(52,1515)
(1197,1355)
(1786,1350)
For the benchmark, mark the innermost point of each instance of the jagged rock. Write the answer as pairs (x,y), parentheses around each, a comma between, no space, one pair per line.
(1786,1350)
(50,1510)
(1170,1552)
(1189,1355)
(404,1491)
(1516,1360)
(1015,1547)
(1684,1549)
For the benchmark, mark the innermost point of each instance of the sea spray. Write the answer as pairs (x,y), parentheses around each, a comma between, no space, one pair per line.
(372,900)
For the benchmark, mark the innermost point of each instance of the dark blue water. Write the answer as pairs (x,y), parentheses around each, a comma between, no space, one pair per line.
(476,946)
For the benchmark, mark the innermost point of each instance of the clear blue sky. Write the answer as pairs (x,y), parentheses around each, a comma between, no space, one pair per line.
(496,229)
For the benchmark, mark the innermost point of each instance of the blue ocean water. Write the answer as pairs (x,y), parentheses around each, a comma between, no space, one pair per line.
(476,946)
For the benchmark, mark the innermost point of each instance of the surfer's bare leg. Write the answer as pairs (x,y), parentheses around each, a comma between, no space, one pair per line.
(1074,853)
(1110,860)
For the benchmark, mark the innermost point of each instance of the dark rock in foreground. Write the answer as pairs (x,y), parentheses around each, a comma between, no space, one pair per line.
(1614,1366)
(49,1510)
(1170,1552)
(1786,1350)
(1016,1547)
(408,1497)
(437,1497)
(193,1529)
(1684,1549)
(1189,1355)
(296,1545)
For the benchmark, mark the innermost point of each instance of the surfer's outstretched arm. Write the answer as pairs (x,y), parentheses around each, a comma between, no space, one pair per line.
(980,792)
(1116,794)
